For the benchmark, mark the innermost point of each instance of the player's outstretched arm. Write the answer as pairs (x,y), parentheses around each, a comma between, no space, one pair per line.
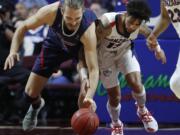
(90,42)
(163,21)
(161,25)
(44,16)
(154,46)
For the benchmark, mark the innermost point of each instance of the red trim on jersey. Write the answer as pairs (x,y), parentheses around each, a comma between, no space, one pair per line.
(112,24)
(42,58)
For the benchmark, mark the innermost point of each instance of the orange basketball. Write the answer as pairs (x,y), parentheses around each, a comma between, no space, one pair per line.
(84,122)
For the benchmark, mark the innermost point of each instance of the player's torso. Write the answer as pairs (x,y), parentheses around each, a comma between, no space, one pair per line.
(173,8)
(59,37)
(115,41)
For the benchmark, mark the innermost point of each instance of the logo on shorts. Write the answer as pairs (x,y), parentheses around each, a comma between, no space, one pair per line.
(107,72)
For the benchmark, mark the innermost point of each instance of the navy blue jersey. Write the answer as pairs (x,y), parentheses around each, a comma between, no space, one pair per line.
(58,47)
(55,37)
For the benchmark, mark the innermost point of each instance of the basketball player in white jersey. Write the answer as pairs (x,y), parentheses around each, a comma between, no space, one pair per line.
(115,32)
(170,13)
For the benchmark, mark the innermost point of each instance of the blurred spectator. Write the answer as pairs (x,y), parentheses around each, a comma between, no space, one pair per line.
(120,5)
(108,4)
(34,38)
(58,78)
(105,4)
(31,3)
(97,8)
(18,74)
(21,11)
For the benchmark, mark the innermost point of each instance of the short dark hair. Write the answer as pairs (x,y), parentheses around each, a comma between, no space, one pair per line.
(139,9)
(6,6)
(76,4)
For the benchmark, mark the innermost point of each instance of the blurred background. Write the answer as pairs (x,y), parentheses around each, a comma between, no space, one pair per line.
(62,90)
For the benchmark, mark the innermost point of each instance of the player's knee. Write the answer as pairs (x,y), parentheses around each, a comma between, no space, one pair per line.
(114,101)
(175,85)
(137,87)
(31,92)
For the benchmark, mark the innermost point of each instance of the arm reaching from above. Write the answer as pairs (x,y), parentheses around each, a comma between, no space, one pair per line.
(45,15)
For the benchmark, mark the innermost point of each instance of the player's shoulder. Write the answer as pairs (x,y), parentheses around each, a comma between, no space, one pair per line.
(50,8)
(111,15)
(88,18)
(89,14)
(88,11)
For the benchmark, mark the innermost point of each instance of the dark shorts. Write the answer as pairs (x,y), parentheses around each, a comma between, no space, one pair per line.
(49,61)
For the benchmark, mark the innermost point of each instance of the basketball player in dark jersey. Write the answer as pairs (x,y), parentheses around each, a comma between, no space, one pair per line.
(71,27)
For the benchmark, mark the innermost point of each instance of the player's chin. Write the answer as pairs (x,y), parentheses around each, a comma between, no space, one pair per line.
(130,30)
(72,28)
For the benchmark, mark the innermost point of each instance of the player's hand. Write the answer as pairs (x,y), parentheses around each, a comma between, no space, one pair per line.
(151,42)
(11,60)
(89,103)
(160,55)
(83,91)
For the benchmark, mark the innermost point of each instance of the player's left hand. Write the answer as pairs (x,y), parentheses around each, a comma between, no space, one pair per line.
(160,55)
(89,103)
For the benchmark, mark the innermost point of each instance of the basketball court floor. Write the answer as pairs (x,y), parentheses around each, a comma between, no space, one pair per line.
(16,130)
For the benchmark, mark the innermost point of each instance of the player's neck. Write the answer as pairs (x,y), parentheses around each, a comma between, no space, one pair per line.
(121,25)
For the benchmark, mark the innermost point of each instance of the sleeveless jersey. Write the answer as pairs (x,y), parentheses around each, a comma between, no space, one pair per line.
(116,41)
(173,9)
(71,44)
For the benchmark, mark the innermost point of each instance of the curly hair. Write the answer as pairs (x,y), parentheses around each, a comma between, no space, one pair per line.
(139,9)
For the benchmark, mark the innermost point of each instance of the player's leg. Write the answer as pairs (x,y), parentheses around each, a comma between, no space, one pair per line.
(114,108)
(138,91)
(131,69)
(46,63)
(32,96)
(174,81)
(109,78)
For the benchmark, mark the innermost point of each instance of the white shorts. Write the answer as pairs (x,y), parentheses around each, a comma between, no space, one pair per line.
(110,67)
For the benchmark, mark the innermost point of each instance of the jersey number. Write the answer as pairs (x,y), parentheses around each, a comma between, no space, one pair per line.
(174,15)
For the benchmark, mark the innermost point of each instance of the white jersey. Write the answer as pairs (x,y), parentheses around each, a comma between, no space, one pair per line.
(173,9)
(115,55)
(116,46)
(116,41)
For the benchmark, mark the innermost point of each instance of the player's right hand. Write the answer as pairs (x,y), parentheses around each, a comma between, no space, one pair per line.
(151,42)
(11,60)
(160,55)
(89,103)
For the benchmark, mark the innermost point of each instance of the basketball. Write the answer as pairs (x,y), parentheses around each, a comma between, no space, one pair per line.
(84,122)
